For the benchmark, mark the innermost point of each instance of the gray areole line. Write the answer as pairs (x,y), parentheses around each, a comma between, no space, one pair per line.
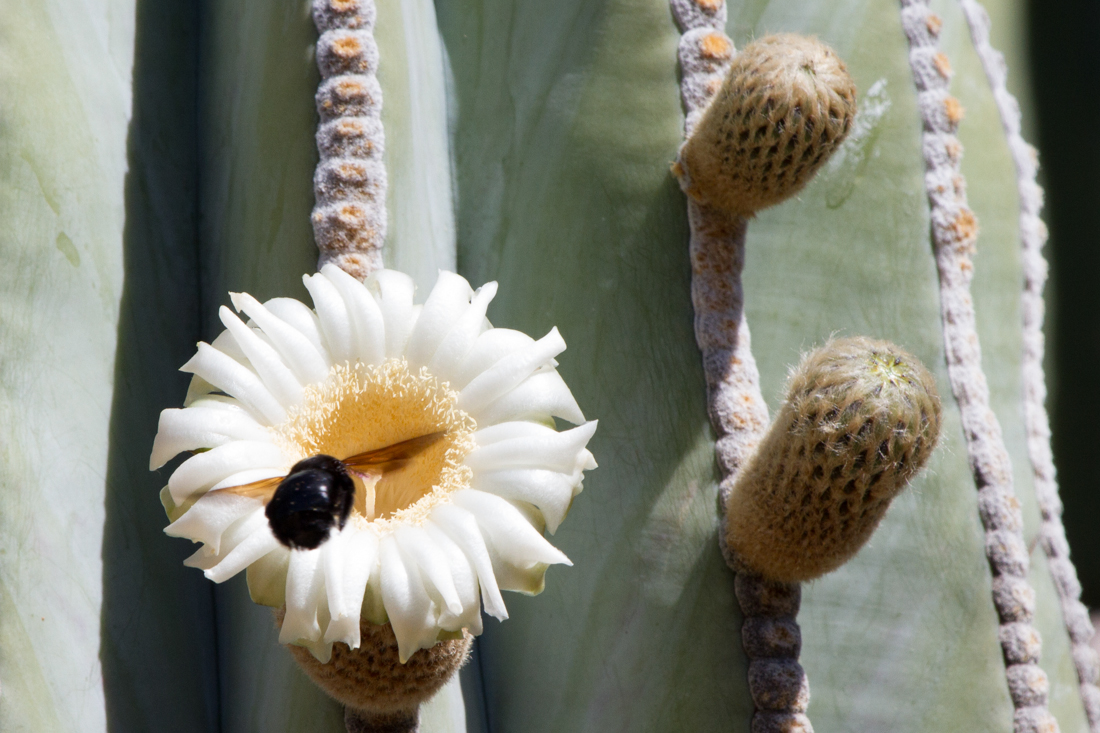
(954,234)
(349,185)
(349,227)
(770,634)
(1033,235)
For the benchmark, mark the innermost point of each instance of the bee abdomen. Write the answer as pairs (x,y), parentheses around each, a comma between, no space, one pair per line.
(315,497)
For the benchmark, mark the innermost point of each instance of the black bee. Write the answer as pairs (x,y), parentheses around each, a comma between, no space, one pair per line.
(318,493)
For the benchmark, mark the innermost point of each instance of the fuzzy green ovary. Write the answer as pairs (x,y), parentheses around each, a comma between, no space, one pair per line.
(860,419)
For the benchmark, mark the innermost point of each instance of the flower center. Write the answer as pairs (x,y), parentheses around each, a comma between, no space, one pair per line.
(361,408)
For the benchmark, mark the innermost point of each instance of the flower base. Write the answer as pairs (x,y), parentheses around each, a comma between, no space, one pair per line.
(372,677)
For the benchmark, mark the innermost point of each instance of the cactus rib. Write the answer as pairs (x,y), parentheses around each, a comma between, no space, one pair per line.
(954,234)
(777,683)
(349,185)
(1033,235)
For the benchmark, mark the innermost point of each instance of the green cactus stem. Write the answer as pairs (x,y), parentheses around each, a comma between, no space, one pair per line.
(1033,235)
(349,185)
(860,420)
(954,235)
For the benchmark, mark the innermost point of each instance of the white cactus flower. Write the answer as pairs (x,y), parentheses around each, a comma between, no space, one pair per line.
(424,546)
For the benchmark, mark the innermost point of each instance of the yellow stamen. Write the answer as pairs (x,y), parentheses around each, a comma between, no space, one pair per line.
(360,408)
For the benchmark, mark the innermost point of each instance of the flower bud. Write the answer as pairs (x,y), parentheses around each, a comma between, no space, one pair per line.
(860,420)
(786,104)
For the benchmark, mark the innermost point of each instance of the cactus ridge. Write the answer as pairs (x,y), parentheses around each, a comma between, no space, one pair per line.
(954,236)
(786,104)
(770,633)
(861,418)
(1033,235)
(349,184)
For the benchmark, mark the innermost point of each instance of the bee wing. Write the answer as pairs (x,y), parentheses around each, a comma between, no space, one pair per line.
(262,489)
(391,457)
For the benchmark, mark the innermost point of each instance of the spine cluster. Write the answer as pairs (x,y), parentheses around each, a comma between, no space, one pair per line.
(1033,236)
(349,185)
(954,235)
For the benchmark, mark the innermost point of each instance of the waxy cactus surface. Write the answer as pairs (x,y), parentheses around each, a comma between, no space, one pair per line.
(156,155)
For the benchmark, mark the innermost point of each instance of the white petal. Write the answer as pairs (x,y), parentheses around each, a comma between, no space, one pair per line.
(333,314)
(259,543)
(196,427)
(374,607)
(209,517)
(346,575)
(541,395)
(395,300)
(242,544)
(249,475)
(461,527)
(320,649)
(204,470)
(302,318)
(508,531)
(197,389)
(293,346)
(460,339)
(563,452)
(550,491)
(489,348)
(420,551)
(236,380)
(225,343)
(407,602)
(465,581)
(276,375)
(266,577)
(507,373)
(509,430)
(305,588)
(368,328)
(447,302)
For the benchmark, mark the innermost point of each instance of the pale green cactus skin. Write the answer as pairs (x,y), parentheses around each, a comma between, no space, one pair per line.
(119,247)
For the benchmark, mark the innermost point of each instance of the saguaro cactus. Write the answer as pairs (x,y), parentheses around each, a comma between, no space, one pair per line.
(154,157)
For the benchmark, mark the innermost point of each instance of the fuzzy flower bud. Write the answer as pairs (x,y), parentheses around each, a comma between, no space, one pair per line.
(860,420)
(786,104)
